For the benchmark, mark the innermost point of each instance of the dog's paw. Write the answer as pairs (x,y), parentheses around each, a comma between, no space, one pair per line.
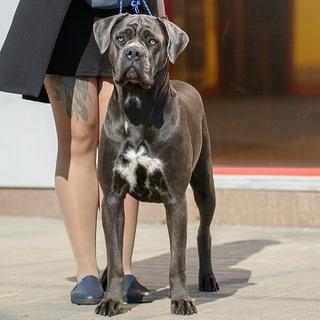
(183,306)
(109,308)
(208,283)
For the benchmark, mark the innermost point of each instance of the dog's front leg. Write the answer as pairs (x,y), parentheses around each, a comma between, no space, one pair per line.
(176,212)
(113,224)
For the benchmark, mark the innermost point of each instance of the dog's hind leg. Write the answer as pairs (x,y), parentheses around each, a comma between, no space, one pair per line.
(204,194)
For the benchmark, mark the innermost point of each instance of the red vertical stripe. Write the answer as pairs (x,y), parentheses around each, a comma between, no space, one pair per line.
(168,4)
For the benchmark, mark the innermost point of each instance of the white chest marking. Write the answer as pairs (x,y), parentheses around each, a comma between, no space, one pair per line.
(133,159)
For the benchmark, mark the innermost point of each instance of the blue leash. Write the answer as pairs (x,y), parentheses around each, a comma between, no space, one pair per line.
(135,4)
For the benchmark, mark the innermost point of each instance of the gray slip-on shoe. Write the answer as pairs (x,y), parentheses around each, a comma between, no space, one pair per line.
(88,291)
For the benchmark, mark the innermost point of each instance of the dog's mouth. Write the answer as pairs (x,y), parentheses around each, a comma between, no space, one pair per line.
(133,76)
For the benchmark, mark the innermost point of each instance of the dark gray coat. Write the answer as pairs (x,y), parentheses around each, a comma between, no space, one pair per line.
(27,50)
(26,53)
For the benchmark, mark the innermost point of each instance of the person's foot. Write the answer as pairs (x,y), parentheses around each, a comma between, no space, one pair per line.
(134,291)
(88,291)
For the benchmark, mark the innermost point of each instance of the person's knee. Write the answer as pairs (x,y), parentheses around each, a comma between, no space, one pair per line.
(77,139)
(83,139)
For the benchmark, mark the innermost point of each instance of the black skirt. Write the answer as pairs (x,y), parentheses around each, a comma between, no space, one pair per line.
(76,52)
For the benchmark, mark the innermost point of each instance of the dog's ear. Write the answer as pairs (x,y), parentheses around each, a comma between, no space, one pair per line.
(102,30)
(177,39)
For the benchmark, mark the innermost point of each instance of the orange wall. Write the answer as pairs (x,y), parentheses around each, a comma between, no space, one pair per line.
(306,42)
(211,72)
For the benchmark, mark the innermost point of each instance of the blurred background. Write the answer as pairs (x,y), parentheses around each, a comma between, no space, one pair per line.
(257,66)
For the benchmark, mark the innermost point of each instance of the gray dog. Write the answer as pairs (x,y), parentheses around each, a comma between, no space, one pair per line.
(154,143)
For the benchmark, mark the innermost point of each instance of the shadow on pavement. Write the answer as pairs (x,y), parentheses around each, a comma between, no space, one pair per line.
(153,272)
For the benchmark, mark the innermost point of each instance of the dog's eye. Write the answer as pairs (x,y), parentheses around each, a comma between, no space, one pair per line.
(152,42)
(120,39)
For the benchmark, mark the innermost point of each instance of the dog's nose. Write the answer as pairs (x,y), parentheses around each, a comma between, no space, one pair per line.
(133,53)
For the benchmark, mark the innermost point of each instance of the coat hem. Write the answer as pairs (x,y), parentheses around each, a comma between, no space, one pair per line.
(20,91)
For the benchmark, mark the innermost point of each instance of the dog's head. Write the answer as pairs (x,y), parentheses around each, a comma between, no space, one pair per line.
(139,46)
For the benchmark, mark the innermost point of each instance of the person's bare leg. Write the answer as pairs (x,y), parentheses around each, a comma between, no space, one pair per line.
(131,205)
(74,103)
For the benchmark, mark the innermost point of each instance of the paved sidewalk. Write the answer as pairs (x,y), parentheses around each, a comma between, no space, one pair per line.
(264,273)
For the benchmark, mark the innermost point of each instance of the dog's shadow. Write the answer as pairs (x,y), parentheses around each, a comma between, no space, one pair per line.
(153,272)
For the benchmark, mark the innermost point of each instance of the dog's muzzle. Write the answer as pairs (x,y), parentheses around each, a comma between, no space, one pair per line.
(134,66)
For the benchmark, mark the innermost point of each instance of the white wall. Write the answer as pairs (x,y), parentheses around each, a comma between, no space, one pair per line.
(27,132)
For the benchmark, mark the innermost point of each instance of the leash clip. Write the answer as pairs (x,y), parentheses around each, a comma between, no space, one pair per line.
(135,5)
